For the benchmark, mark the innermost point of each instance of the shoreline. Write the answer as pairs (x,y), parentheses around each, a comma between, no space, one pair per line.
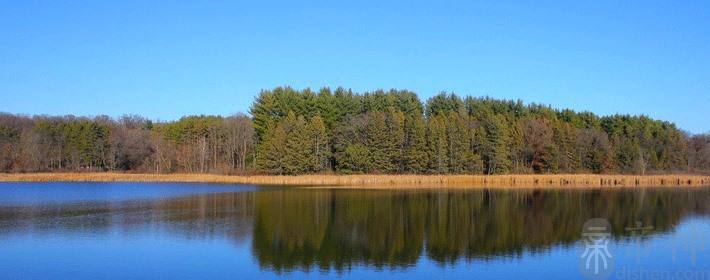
(381,181)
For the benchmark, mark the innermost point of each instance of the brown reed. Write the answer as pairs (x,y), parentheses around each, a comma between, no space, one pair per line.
(398,181)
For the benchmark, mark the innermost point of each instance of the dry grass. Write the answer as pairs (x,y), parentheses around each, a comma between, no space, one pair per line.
(391,181)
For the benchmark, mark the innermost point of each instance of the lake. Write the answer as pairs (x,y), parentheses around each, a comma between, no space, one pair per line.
(212,231)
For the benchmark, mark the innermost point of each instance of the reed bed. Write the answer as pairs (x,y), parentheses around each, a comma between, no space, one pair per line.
(395,181)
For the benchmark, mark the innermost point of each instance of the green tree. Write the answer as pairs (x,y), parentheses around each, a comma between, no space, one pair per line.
(270,155)
(416,156)
(356,159)
(299,149)
(396,138)
(437,142)
(459,143)
(496,152)
(319,145)
(380,143)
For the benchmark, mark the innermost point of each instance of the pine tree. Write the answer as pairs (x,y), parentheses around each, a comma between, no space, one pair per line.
(320,143)
(565,139)
(380,143)
(263,113)
(496,149)
(517,147)
(475,161)
(416,157)
(356,159)
(271,151)
(458,142)
(437,143)
(396,137)
(299,150)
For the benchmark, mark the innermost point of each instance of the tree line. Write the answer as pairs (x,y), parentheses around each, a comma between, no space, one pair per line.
(382,132)
(196,144)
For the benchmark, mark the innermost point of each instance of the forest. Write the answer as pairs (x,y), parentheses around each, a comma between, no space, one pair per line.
(290,132)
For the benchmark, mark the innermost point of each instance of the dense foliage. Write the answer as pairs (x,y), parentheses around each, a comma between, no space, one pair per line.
(297,132)
(393,132)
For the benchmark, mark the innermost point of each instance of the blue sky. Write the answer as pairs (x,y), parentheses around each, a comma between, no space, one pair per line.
(167,59)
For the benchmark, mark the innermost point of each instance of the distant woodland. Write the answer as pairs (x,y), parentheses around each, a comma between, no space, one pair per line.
(382,132)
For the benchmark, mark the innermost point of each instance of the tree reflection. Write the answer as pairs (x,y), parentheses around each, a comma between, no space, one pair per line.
(194,217)
(337,229)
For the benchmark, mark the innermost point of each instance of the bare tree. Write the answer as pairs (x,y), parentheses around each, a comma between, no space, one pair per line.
(239,141)
(539,143)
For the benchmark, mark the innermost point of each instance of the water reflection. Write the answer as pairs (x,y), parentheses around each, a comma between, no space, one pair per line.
(304,229)
(199,216)
(296,229)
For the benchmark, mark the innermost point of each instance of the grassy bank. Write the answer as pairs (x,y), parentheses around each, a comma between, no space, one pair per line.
(562,180)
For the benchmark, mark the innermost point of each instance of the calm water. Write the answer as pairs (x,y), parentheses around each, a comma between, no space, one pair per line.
(197,231)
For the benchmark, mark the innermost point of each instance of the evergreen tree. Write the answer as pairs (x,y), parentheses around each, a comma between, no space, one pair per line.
(458,142)
(416,156)
(380,143)
(437,142)
(299,151)
(320,151)
(356,159)
(443,103)
(565,139)
(264,113)
(397,138)
(271,152)
(496,151)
